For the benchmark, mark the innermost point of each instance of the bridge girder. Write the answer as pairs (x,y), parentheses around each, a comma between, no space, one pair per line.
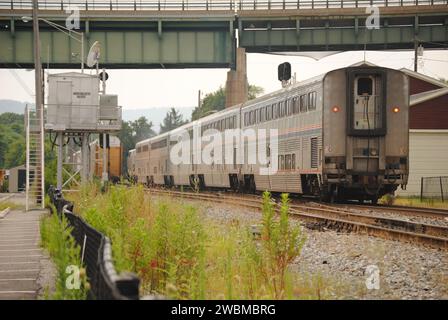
(141,39)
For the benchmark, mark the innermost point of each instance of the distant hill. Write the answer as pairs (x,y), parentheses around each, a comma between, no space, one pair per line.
(156,115)
(12,106)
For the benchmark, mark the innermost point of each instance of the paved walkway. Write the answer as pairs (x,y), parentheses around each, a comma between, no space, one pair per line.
(20,255)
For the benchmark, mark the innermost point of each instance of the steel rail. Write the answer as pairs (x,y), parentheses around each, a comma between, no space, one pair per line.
(409,211)
(332,218)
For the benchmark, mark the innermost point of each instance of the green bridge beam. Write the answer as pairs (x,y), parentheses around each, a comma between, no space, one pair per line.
(136,43)
(198,39)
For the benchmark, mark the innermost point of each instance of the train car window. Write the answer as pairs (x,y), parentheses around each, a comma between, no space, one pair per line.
(303,102)
(252,113)
(139,149)
(223,125)
(365,86)
(282,162)
(295,103)
(293,161)
(288,162)
(145,148)
(245,119)
(312,100)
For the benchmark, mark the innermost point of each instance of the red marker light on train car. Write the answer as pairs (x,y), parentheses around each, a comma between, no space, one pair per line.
(396,109)
(335,109)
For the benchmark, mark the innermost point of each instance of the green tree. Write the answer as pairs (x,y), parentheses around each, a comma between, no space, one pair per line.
(216,101)
(142,129)
(173,120)
(133,132)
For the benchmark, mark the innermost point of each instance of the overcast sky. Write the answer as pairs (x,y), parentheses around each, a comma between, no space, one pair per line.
(179,88)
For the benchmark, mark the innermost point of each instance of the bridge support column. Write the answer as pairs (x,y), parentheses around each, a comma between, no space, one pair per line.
(236,85)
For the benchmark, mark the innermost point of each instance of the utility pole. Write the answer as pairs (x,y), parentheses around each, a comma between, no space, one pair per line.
(39,96)
(415,54)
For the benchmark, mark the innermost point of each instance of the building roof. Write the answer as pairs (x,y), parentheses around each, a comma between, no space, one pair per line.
(427,95)
(425,78)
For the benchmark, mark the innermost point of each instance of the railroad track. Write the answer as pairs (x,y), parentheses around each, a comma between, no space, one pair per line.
(411,211)
(335,217)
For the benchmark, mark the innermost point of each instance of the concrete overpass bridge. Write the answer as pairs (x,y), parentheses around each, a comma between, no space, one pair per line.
(197,34)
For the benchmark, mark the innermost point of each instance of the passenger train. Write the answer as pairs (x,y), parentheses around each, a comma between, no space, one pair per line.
(341,135)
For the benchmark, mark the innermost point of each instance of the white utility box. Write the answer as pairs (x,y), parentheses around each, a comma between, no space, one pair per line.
(109,107)
(73,102)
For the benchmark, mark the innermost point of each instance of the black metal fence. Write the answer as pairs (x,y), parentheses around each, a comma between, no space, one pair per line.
(181,5)
(434,188)
(105,283)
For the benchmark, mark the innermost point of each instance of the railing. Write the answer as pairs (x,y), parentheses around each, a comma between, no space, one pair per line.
(210,5)
(105,283)
(434,188)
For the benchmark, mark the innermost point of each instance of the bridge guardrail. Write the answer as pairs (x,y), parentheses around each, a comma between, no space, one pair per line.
(210,5)
(105,282)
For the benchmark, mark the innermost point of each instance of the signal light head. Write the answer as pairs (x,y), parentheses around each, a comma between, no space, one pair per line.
(396,109)
(335,109)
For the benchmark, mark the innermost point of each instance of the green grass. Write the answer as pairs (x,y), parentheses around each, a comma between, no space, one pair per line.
(56,238)
(415,202)
(179,252)
(7,204)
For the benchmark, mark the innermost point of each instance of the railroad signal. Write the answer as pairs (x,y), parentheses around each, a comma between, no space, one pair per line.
(284,71)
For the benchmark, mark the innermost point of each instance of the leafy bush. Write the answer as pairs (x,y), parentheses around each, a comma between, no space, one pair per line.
(178,252)
(56,238)
(387,199)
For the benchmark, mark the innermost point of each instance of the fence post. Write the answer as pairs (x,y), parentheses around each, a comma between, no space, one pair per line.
(441,189)
(421,189)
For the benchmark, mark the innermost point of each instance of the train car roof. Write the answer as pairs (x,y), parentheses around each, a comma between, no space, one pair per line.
(271,95)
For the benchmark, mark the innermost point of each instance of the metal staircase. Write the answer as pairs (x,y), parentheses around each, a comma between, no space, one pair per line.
(35,182)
